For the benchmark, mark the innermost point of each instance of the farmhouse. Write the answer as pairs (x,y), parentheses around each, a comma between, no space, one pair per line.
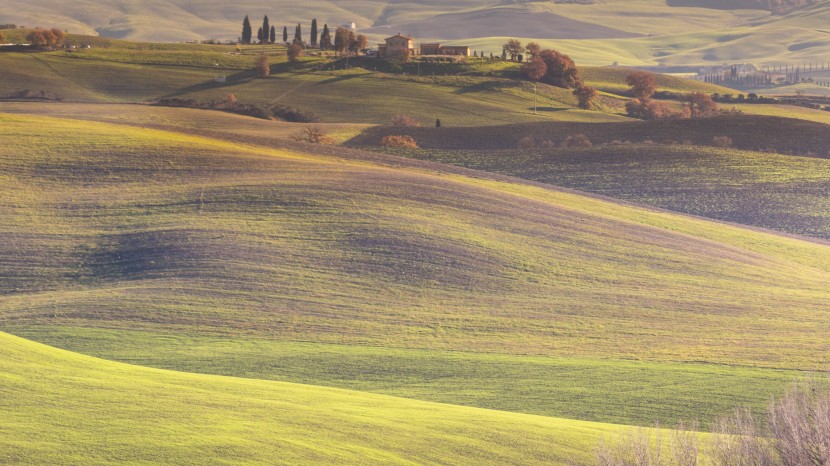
(395,46)
(440,49)
(398,44)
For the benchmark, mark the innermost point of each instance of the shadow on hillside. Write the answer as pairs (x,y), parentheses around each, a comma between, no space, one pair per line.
(549,109)
(485,86)
(231,80)
(336,79)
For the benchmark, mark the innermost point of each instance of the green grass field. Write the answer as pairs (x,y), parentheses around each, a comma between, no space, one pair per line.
(64,408)
(778,192)
(200,255)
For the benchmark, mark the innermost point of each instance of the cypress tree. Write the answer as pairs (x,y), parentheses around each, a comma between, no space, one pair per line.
(266,28)
(246,31)
(325,38)
(298,35)
(314,32)
(273,35)
(285,34)
(259,35)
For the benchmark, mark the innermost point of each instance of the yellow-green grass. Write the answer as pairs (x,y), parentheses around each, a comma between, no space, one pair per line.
(186,120)
(612,390)
(353,96)
(779,192)
(612,79)
(787,111)
(64,408)
(127,228)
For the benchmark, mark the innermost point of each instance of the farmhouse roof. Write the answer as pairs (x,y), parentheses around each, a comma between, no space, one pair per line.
(399,35)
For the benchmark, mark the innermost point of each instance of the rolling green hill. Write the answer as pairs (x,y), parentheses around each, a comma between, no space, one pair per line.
(64,408)
(197,254)
(123,74)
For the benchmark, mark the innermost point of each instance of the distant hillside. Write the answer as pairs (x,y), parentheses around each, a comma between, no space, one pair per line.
(623,31)
(776,6)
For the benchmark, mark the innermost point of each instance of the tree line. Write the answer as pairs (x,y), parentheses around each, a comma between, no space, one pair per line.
(343,40)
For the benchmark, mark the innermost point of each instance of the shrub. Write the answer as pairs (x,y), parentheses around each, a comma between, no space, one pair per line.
(796,432)
(229,100)
(722,141)
(399,141)
(313,135)
(701,105)
(577,140)
(527,142)
(586,96)
(263,68)
(403,121)
(651,110)
(295,51)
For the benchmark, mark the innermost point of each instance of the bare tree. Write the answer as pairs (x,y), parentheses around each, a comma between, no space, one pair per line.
(800,424)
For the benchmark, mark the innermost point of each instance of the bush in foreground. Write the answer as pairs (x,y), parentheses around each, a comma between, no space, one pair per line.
(795,433)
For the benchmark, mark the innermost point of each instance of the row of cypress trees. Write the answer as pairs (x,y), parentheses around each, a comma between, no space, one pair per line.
(268,34)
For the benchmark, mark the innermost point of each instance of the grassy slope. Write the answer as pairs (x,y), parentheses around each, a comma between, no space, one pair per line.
(124,74)
(119,71)
(129,229)
(64,408)
(780,192)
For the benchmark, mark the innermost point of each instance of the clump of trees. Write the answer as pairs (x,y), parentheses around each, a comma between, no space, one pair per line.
(2,38)
(643,106)
(796,432)
(557,69)
(46,37)
(512,48)
(346,42)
